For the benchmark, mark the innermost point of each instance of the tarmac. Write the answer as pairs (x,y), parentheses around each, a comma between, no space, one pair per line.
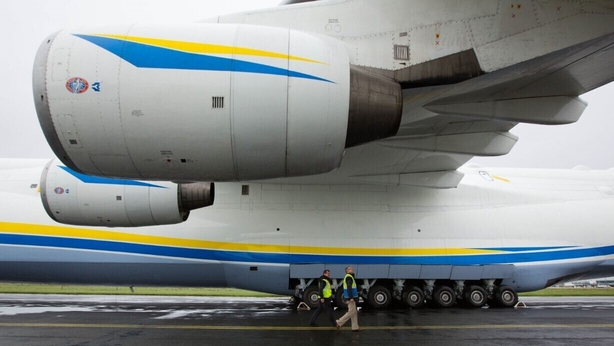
(43,320)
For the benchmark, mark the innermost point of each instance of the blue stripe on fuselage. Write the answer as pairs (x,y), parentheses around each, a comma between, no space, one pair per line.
(281,258)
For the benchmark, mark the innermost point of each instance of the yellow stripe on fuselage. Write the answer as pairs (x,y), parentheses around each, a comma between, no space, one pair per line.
(204,48)
(501,179)
(81,233)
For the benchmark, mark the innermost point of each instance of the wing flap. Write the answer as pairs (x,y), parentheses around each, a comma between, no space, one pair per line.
(478,143)
(555,110)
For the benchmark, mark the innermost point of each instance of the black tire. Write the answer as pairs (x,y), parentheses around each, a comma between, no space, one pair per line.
(475,297)
(506,296)
(310,296)
(379,297)
(339,301)
(444,297)
(413,297)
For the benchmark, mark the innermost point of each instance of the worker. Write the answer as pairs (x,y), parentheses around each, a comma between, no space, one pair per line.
(350,293)
(325,293)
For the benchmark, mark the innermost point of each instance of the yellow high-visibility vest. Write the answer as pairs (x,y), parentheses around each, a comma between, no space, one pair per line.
(327,292)
(353,288)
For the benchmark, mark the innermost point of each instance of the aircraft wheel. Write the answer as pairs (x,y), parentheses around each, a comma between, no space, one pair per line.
(310,296)
(413,297)
(506,296)
(379,297)
(444,297)
(475,297)
(340,302)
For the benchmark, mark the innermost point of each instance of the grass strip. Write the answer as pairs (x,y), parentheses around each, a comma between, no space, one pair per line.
(233,292)
(570,292)
(124,290)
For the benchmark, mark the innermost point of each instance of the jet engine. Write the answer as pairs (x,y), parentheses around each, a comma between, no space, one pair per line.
(73,198)
(206,102)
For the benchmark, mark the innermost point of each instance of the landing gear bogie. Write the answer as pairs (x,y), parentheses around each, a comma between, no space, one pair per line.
(413,293)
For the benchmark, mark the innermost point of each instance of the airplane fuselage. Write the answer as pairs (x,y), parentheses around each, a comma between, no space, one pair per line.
(533,228)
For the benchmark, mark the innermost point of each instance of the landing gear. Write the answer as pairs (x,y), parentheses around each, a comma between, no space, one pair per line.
(506,296)
(475,297)
(414,293)
(444,296)
(413,297)
(379,297)
(310,296)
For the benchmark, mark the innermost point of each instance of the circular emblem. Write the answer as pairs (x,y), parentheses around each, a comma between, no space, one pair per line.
(77,85)
(58,190)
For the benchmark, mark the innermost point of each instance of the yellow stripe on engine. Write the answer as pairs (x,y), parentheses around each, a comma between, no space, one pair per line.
(205,48)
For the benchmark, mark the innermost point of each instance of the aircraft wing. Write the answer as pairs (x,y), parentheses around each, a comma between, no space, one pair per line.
(443,127)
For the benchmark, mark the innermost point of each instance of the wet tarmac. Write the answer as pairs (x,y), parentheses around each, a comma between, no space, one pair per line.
(44,320)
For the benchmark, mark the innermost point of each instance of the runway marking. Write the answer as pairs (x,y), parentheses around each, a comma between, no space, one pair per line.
(298,328)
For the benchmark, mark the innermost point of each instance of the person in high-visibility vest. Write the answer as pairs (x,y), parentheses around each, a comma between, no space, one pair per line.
(350,292)
(325,293)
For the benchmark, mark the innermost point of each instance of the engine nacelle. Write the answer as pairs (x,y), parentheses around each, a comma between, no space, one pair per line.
(77,199)
(206,102)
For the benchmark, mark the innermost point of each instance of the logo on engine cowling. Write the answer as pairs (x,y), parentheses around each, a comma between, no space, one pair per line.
(77,85)
(58,190)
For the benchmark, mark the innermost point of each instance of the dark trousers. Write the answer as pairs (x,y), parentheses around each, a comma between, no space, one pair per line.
(326,306)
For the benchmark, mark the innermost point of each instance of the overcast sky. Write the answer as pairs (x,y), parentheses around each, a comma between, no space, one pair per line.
(26,23)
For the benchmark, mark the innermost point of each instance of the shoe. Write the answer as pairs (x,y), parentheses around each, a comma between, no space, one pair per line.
(338,327)
(357,330)
(313,324)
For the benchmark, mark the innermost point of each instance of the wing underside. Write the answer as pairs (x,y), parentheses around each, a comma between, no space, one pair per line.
(444,126)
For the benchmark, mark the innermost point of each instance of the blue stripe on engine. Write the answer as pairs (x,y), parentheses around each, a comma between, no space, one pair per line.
(90,179)
(146,56)
(245,256)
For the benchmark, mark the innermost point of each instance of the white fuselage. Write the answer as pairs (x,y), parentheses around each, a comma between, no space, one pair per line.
(550,225)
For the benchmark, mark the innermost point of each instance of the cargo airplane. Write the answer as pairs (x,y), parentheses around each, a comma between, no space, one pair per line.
(254,150)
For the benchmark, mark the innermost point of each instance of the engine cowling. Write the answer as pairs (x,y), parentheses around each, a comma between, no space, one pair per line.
(77,199)
(206,102)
